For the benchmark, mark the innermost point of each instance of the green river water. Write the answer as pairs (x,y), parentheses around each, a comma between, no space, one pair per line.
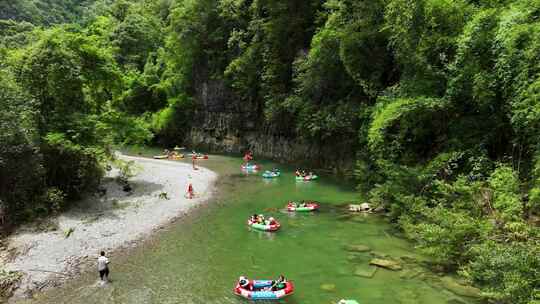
(198,259)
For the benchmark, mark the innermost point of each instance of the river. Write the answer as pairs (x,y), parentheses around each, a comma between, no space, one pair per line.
(198,259)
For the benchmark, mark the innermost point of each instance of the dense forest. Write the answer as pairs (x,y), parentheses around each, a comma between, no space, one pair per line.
(437,100)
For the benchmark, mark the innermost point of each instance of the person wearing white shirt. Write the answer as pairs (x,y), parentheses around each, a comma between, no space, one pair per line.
(103,267)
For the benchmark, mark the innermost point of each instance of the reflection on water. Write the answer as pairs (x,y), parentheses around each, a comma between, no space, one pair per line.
(198,259)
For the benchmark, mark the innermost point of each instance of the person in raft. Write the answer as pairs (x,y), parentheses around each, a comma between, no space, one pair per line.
(271,221)
(103,267)
(260,219)
(279,283)
(190,192)
(247,158)
(297,173)
(245,283)
(291,204)
(253,218)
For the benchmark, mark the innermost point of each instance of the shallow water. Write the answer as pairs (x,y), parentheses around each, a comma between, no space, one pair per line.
(198,259)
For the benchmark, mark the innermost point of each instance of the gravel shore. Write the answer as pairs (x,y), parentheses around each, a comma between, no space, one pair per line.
(117,219)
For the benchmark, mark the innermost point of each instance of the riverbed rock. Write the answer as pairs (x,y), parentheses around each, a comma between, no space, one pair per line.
(409,274)
(357,248)
(461,290)
(387,264)
(379,209)
(364,272)
(358,258)
(328,287)
(9,281)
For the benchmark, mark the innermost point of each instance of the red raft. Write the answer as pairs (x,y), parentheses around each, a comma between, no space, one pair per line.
(262,290)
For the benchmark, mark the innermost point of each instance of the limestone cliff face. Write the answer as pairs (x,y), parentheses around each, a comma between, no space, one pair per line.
(224,124)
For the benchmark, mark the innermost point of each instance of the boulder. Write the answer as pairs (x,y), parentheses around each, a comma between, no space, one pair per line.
(364,207)
(357,248)
(388,264)
(461,290)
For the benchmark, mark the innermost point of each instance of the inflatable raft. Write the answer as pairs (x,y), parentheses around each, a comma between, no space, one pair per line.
(262,290)
(295,207)
(271,174)
(307,178)
(264,227)
(161,156)
(250,167)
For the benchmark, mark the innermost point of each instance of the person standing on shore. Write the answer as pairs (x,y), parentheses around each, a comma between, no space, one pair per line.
(103,267)
(190,192)
(193,160)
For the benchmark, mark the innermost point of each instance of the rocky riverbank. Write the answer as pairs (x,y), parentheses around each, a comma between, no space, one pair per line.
(118,219)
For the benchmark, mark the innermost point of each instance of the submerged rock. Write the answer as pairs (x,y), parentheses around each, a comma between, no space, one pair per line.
(407,297)
(380,255)
(365,272)
(388,264)
(328,287)
(357,248)
(344,217)
(460,290)
(410,274)
(358,219)
(409,259)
